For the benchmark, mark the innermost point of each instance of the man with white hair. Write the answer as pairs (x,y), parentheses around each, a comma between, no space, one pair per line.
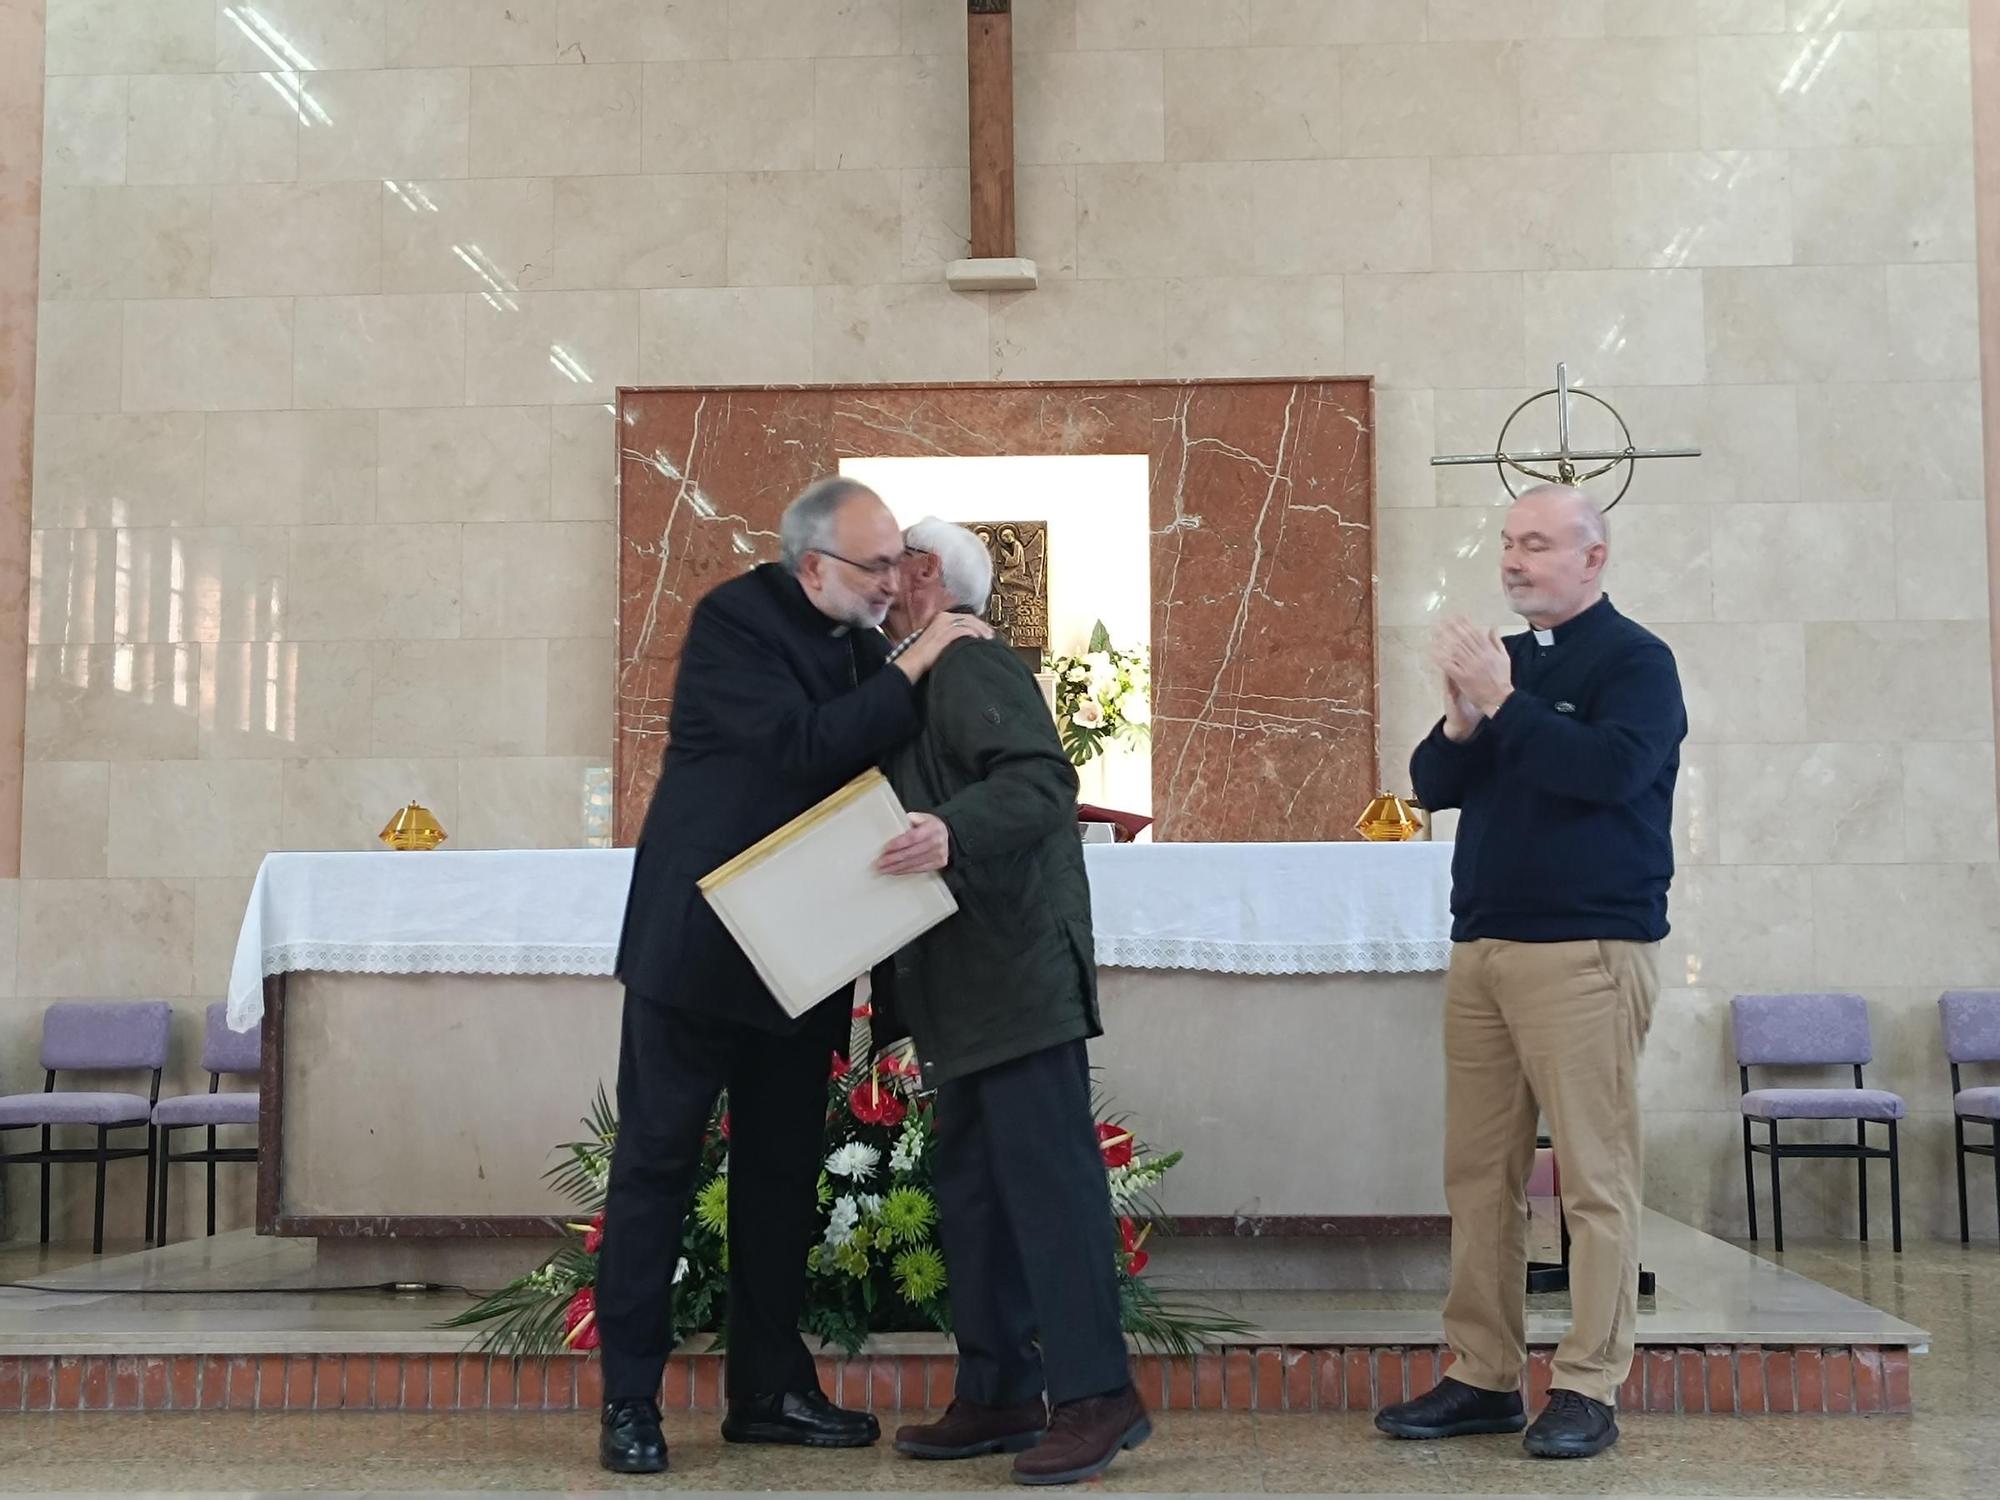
(1560,747)
(783,694)
(1000,1000)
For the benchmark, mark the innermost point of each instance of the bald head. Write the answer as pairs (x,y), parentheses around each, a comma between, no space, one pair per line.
(1553,548)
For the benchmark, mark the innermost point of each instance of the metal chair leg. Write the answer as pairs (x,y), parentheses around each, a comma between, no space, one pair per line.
(103,1165)
(211,1182)
(1861,1171)
(45,1185)
(1777,1197)
(1750,1180)
(166,1165)
(1958,1155)
(152,1182)
(1895,1192)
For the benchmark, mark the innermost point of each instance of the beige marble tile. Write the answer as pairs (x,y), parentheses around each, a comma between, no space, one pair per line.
(754,116)
(118,470)
(582,711)
(1078,330)
(1898,680)
(1635,327)
(938,26)
(83,131)
(1518,213)
(1697,833)
(726,336)
(275,700)
(809,228)
(1774,324)
(1911,925)
(1442,99)
(1744,683)
(473,33)
(608,31)
(158,584)
(549,122)
(405,350)
(1775,92)
(1874,15)
(1637,94)
(846,28)
(64,807)
(219,906)
(1809,561)
(465,464)
(297,239)
(554,348)
(1439,561)
(345,804)
(396,122)
(493,235)
(79,356)
(1254,325)
(1933,322)
(1666,571)
(464,698)
(10,930)
(583,463)
(1693,17)
(141,938)
(1405,439)
(364,583)
(869,333)
(290,467)
(1172,24)
(1890,442)
(542,580)
(1940,566)
(1883,204)
(1253,103)
(1039,25)
(224,354)
(308,35)
(112,702)
(526,802)
(640,232)
(1472,421)
(937,221)
(193,817)
(213,127)
(1442,330)
(889,112)
(115,36)
(1708,208)
(1300,23)
(1514,20)
(1738,928)
(1073,107)
(1147,219)
(1948,802)
(1748,435)
(125,242)
(1689,1061)
(1813,804)
(1926,87)
(1311,218)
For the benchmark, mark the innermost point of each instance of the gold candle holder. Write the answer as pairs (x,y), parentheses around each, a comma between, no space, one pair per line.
(413,827)
(1390,820)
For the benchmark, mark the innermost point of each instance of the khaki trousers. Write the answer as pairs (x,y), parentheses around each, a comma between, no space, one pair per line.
(1553,1029)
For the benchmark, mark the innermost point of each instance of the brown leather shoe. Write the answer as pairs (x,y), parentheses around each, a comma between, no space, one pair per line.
(968,1430)
(1084,1436)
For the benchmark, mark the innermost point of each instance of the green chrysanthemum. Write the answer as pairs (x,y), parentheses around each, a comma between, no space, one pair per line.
(908,1214)
(711,1206)
(920,1274)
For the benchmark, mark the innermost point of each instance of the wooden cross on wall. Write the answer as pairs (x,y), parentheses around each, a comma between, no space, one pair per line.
(989,54)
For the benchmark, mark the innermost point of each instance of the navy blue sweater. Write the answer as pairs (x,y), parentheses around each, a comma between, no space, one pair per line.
(1567,793)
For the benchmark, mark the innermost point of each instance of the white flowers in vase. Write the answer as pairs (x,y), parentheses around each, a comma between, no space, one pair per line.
(1102,696)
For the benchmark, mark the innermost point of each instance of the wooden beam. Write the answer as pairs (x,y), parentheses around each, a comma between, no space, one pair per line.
(989,52)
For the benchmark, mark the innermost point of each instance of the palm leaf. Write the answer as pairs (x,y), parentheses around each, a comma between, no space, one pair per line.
(1168,1325)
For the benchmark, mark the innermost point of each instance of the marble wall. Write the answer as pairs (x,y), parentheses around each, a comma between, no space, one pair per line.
(335,296)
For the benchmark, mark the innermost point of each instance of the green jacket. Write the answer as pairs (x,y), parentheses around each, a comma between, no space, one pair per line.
(1014,971)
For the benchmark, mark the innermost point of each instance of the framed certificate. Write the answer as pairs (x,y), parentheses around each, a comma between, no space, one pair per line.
(806,905)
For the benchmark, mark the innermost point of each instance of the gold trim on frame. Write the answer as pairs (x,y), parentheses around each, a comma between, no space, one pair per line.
(804,823)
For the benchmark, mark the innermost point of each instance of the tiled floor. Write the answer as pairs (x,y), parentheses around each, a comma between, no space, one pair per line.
(1950,1450)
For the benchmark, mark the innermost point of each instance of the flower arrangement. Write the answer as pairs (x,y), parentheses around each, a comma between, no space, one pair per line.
(876,1267)
(1102,696)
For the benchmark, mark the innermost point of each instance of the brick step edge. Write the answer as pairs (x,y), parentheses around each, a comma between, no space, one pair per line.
(1714,1379)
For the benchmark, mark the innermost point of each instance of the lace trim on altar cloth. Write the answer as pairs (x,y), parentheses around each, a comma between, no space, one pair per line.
(1365,956)
(440,958)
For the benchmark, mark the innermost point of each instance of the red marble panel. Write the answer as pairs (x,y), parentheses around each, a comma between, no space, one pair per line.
(1262,558)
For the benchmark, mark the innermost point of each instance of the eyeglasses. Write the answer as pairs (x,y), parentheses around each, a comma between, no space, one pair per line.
(876,569)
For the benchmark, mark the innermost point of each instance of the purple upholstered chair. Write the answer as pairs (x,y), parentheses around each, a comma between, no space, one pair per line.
(222,1051)
(93,1037)
(1813,1031)
(1972,1035)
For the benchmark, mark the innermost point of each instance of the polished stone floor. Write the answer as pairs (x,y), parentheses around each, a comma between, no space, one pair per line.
(1949,1450)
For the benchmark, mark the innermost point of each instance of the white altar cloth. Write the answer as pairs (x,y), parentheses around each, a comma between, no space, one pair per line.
(1225,908)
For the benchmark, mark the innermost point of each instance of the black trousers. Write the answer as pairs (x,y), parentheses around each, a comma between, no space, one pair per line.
(1025,1220)
(671,1066)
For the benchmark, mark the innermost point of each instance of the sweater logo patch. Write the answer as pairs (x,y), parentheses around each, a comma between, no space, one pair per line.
(1565,708)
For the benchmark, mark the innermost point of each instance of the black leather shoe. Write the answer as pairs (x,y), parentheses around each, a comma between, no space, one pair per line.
(1452,1408)
(629,1440)
(1571,1426)
(805,1419)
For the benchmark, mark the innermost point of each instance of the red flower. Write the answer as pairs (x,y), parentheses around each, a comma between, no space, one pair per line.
(593,1237)
(872,1104)
(839,1069)
(580,1320)
(1136,1259)
(1115,1141)
(724,1125)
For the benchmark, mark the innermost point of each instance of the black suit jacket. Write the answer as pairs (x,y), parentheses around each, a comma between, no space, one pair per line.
(775,707)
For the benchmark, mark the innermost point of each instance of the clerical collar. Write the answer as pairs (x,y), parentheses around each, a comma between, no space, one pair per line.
(1576,625)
